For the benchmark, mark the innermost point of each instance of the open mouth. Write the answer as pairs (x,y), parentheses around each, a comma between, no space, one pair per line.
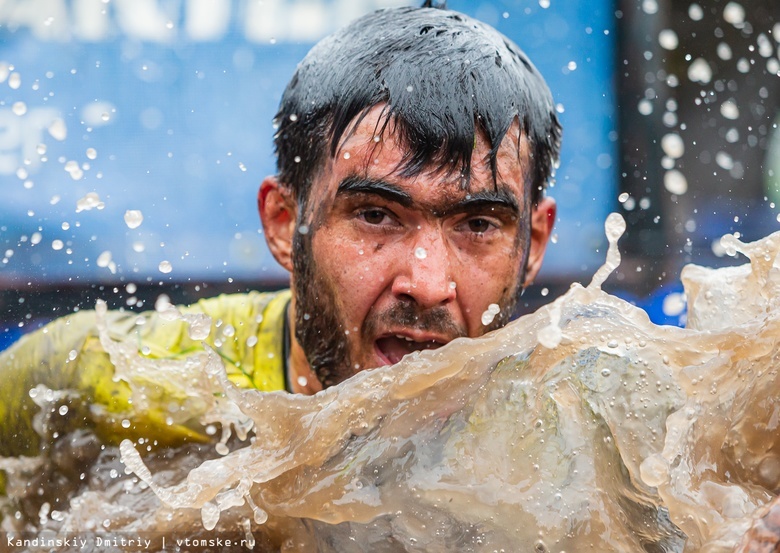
(393,348)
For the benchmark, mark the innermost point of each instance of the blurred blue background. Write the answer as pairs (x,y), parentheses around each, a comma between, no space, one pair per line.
(175,100)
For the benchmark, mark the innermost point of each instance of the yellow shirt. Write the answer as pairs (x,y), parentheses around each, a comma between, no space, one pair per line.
(247,330)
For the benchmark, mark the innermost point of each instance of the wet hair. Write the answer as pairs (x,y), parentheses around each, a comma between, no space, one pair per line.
(442,77)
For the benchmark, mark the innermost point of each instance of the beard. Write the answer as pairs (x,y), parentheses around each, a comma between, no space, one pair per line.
(321,329)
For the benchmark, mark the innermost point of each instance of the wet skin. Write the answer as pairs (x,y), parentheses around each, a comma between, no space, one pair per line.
(409,263)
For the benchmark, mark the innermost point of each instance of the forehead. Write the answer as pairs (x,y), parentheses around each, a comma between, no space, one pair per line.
(373,147)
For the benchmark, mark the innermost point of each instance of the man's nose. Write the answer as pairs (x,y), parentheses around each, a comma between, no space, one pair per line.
(425,275)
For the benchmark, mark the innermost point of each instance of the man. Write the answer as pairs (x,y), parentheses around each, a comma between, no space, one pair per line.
(413,148)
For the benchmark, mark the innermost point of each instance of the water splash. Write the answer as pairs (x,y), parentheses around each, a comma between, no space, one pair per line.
(623,436)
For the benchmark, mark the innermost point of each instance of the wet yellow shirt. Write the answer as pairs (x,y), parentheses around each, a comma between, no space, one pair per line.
(247,331)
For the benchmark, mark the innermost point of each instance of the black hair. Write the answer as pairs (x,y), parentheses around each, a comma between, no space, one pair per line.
(442,76)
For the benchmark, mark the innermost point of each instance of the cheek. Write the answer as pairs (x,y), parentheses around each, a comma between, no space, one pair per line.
(356,270)
(491,280)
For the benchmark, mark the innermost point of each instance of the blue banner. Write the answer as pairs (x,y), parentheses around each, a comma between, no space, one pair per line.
(134,133)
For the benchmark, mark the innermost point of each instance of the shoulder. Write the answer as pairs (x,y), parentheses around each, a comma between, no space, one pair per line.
(241,307)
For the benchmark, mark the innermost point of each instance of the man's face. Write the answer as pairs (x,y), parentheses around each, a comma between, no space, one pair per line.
(390,264)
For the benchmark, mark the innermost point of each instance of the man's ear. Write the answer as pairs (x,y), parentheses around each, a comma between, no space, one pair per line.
(542,220)
(278,213)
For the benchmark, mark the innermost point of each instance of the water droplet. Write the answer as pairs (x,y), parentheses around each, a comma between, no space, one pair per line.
(614,227)
(650,7)
(19,108)
(88,202)
(209,515)
(675,182)
(734,13)
(420,253)
(724,160)
(729,110)
(260,515)
(654,471)
(674,304)
(15,80)
(700,71)
(165,267)
(58,130)
(605,372)
(73,169)
(91,153)
(63,410)
(104,259)
(57,245)
(769,471)
(125,423)
(133,218)
(490,313)
(673,145)
(668,39)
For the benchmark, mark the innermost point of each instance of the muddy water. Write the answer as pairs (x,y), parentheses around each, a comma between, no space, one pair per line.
(580,427)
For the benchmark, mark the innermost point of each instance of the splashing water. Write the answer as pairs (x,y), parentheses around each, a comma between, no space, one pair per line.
(614,435)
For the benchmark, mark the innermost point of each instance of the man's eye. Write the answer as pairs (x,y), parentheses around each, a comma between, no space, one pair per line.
(373,216)
(478,225)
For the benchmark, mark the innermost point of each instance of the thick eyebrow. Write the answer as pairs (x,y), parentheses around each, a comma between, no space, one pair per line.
(386,190)
(501,197)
